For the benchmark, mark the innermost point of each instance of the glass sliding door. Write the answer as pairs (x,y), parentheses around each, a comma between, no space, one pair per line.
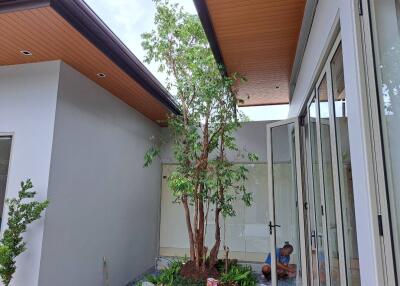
(309,217)
(287,260)
(326,173)
(332,230)
(319,274)
(344,168)
(386,41)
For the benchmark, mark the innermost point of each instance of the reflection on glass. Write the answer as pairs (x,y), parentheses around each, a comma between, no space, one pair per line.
(319,232)
(5,148)
(245,234)
(329,191)
(255,220)
(285,199)
(344,165)
(387,54)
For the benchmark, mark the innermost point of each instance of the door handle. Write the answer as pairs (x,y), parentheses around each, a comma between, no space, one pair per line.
(272,226)
(313,238)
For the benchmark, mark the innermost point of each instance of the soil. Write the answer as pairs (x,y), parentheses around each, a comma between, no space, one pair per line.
(189,271)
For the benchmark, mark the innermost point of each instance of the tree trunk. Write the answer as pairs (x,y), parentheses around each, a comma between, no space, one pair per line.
(201,235)
(189,227)
(217,243)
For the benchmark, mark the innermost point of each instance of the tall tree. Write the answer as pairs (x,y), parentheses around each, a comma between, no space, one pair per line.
(205,179)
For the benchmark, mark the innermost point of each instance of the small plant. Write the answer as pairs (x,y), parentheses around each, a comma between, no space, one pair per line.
(171,276)
(239,276)
(167,276)
(20,214)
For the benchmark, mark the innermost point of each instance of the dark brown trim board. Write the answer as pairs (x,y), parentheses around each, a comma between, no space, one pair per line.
(15,5)
(205,19)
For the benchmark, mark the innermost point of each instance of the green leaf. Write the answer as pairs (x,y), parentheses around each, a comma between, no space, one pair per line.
(20,215)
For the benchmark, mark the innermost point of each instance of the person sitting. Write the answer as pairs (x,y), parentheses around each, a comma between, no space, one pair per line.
(283,269)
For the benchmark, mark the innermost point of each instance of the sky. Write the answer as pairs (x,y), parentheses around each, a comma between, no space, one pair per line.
(128,19)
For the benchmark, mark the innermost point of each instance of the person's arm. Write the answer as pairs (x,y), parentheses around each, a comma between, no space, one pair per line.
(285,267)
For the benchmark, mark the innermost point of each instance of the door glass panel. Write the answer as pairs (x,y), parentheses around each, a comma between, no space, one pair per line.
(318,236)
(5,148)
(284,178)
(345,175)
(328,187)
(387,56)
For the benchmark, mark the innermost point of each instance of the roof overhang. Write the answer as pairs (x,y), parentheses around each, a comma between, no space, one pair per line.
(257,39)
(70,31)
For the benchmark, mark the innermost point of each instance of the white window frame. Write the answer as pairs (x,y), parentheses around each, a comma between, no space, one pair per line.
(12,136)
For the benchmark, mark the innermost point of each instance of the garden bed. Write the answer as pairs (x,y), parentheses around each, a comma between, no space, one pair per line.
(183,273)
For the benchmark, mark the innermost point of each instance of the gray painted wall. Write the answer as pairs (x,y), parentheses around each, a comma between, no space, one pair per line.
(28,95)
(103,202)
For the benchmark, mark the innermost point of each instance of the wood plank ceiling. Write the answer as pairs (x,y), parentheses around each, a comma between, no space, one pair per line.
(48,36)
(258,39)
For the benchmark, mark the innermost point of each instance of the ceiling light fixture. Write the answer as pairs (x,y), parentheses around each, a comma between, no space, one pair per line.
(101,75)
(26,53)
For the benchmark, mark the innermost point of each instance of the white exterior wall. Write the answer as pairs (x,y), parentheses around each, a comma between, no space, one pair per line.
(28,95)
(328,15)
(103,203)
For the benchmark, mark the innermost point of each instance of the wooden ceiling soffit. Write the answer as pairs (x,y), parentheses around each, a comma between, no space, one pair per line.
(70,31)
(258,39)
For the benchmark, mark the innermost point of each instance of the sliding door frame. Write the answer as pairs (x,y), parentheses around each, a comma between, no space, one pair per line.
(382,229)
(327,73)
(321,179)
(311,186)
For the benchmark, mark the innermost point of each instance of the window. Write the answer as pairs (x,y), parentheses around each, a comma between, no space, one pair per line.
(5,148)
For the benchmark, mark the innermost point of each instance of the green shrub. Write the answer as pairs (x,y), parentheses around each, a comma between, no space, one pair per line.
(171,276)
(239,275)
(20,214)
(167,276)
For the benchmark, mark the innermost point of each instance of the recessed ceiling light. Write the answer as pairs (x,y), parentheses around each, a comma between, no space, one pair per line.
(26,53)
(101,75)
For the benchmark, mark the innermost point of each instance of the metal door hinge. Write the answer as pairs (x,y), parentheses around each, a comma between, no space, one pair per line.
(360,8)
(322,209)
(301,121)
(380,225)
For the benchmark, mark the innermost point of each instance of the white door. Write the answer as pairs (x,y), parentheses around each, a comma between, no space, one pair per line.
(286,215)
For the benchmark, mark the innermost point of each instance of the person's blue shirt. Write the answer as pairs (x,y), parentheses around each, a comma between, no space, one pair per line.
(279,258)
